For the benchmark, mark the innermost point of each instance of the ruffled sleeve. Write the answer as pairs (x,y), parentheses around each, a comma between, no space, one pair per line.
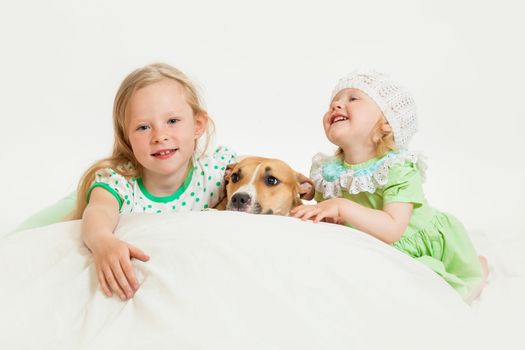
(404,185)
(116,184)
(325,172)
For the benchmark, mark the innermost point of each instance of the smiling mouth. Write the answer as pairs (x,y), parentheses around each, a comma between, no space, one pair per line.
(165,153)
(338,118)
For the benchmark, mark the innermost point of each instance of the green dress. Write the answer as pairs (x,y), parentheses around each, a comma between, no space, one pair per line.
(436,239)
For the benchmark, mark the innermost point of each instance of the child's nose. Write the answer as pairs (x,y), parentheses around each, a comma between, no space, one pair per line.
(336,104)
(159,136)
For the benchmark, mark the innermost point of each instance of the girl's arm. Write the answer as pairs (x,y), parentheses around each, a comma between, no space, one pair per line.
(387,224)
(112,256)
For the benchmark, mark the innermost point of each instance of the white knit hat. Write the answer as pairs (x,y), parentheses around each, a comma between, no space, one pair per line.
(395,102)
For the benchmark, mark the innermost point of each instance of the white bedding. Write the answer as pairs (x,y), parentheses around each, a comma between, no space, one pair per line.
(225,280)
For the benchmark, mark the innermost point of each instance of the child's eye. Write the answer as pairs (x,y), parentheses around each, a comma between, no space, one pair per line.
(142,127)
(352,98)
(173,121)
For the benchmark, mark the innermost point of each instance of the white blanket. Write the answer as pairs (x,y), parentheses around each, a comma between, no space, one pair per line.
(225,280)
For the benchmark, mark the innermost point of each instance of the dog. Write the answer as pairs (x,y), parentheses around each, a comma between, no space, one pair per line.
(264,186)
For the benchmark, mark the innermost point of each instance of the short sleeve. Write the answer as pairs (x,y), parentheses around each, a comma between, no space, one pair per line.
(114,183)
(210,174)
(222,156)
(216,163)
(404,185)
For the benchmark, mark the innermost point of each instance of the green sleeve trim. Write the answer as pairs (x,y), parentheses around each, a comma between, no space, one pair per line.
(171,197)
(108,188)
(50,215)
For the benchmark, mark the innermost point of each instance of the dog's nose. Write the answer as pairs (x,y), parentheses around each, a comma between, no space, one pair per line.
(240,200)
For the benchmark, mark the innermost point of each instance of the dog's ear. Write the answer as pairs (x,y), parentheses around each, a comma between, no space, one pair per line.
(228,171)
(306,187)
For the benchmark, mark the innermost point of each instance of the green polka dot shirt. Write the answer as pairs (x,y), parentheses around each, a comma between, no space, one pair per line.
(203,187)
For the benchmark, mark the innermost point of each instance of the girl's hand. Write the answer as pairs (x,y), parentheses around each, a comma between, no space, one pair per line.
(328,210)
(112,256)
(335,220)
(387,224)
(113,264)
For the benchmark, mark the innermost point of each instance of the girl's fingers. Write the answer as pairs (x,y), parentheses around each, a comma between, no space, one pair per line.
(297,209)
(122,280)
(136,253)
(129,273)
(108,274)
(303,212)
(310,213)
(103,283)
(300,211)
(319,217)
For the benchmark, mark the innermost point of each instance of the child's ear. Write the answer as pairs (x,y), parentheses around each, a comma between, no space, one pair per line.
(201,123)
(385,129)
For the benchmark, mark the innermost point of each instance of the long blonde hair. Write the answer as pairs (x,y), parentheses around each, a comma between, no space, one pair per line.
(122,158)
(381,135)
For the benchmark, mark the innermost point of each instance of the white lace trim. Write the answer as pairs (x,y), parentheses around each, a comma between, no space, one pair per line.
(330,176)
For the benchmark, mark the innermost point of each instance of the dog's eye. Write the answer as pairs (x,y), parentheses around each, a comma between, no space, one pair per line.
(235,177)
(271,181)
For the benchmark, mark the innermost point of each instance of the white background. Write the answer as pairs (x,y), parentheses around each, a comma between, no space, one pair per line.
(266,70)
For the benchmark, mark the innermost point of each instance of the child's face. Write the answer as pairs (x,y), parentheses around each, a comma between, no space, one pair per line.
(351,118)
(162,128)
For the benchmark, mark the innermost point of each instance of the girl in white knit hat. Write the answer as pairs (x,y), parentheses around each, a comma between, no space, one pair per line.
(374,184)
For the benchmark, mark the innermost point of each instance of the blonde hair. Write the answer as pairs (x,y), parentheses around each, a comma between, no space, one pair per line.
(381,136)
(122,158)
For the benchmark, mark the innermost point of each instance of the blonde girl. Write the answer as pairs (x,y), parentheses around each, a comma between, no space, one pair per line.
(156,167)
(374,184)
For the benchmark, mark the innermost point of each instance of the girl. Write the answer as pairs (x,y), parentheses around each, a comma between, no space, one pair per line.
(375,185)
(155,168)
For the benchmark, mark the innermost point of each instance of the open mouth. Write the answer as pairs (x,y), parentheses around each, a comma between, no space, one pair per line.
(165,153)
(337,118)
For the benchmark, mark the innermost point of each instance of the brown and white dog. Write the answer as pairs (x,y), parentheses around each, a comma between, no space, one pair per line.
(264,186)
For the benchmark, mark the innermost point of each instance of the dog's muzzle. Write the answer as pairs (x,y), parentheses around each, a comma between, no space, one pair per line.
(242,201)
